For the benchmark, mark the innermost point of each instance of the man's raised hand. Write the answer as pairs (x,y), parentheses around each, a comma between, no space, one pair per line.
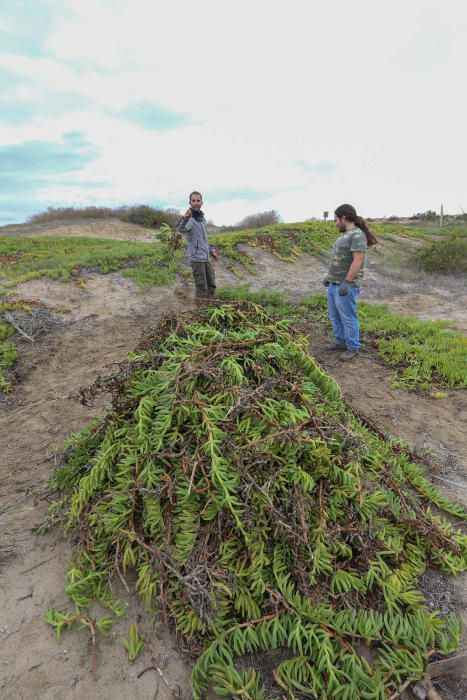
(187,214)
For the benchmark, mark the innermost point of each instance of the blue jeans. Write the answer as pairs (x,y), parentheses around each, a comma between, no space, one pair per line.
(343,314)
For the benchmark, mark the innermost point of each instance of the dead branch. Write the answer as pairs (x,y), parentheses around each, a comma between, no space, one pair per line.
(17,327)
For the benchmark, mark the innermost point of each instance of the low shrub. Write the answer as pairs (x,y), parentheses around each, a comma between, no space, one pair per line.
(150,217)
(141,214)
(60,213)
(448,255)
(255,221)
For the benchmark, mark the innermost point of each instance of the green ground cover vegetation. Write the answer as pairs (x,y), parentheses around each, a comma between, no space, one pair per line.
(63,258)
(424,352)
(8,351)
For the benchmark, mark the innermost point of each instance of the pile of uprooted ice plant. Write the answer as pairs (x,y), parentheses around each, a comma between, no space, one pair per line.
(256,512)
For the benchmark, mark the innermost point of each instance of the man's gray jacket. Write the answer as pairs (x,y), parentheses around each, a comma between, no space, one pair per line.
(197,238)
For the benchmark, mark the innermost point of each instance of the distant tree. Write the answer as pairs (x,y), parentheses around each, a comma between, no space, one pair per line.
(429,215)
(264,218)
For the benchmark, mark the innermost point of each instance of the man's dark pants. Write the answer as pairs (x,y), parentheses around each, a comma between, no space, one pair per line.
(205,281)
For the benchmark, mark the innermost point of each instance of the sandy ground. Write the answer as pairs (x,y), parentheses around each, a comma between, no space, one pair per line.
(93,228)
(103,322)
(391,280)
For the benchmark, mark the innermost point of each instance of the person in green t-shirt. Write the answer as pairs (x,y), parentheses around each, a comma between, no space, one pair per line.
(345,277)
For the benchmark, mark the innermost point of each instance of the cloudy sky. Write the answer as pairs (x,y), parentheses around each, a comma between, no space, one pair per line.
(297,106)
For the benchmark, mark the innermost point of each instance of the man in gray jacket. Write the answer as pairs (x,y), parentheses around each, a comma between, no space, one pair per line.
(193,225)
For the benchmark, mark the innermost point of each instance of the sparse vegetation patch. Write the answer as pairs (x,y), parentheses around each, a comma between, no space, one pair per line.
(424,352)
(8,352)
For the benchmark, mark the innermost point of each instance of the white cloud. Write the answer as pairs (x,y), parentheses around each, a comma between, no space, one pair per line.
(373,89)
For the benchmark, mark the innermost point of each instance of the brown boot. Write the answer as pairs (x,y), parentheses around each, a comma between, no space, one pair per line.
(348,355)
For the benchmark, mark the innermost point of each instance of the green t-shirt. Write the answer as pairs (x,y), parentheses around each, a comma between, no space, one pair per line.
(342,258)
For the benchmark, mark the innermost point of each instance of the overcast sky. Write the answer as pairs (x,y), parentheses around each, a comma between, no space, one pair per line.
(297,106)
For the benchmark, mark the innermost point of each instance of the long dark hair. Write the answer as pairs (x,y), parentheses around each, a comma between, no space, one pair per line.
(350,214)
